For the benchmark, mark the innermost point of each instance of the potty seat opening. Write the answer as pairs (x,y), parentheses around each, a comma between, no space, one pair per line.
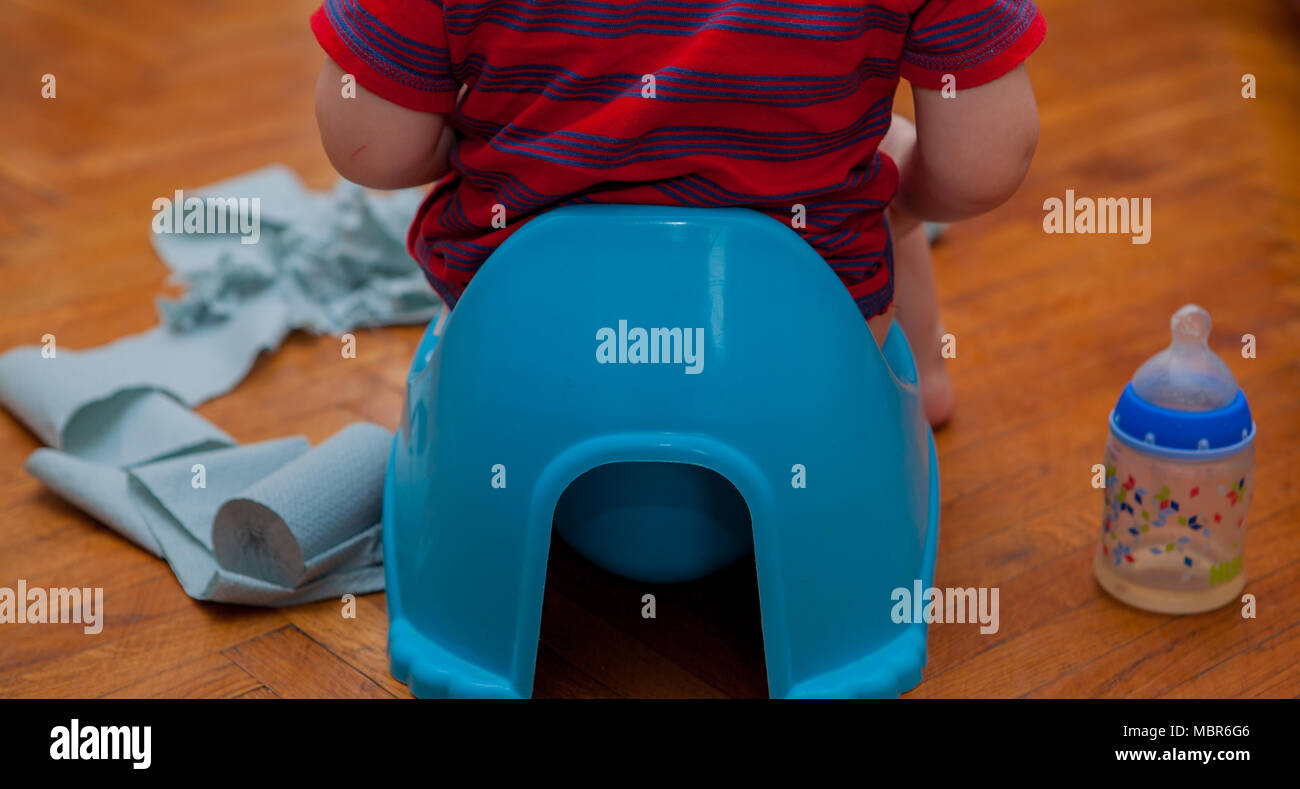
(660,522)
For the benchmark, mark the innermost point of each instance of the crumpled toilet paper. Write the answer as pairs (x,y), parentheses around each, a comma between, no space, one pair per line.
(273,523)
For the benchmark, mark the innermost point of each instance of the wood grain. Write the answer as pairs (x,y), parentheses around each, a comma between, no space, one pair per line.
(276,660)
(1142,100)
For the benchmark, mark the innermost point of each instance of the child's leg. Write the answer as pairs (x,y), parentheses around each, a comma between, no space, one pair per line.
(880,324)
(917,311)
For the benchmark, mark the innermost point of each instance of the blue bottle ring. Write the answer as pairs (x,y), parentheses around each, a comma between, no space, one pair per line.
(1193,435)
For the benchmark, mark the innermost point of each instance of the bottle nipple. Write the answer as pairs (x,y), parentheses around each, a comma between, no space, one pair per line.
(1186,376)
(1190,326)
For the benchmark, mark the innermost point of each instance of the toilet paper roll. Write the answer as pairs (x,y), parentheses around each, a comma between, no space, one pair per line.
(305,518)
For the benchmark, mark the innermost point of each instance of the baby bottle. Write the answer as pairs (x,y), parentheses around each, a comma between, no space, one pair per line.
(1180,465)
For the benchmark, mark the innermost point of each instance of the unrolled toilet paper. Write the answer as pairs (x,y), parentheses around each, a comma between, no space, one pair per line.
(275,523)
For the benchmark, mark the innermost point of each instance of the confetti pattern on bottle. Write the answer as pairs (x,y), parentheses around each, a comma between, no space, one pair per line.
(1132,511)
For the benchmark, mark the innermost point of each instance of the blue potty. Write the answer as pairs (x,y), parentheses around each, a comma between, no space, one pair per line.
(669,388)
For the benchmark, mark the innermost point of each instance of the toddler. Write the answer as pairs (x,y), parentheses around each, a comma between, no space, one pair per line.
(515,107)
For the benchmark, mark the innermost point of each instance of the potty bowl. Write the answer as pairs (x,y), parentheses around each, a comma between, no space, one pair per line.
(667,389)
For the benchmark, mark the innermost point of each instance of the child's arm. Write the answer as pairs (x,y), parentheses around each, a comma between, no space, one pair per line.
(373,142)
(971,150)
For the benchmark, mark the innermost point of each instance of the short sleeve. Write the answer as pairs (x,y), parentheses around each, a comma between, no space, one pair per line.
(397,49)
(976,41)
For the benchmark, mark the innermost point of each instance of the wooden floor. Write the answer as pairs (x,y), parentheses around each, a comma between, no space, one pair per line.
(1137,99)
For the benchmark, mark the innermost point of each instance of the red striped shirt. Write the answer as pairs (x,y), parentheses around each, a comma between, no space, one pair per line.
(773,105)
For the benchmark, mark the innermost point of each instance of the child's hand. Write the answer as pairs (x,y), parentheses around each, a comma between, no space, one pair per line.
(899,141)
(899,144)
